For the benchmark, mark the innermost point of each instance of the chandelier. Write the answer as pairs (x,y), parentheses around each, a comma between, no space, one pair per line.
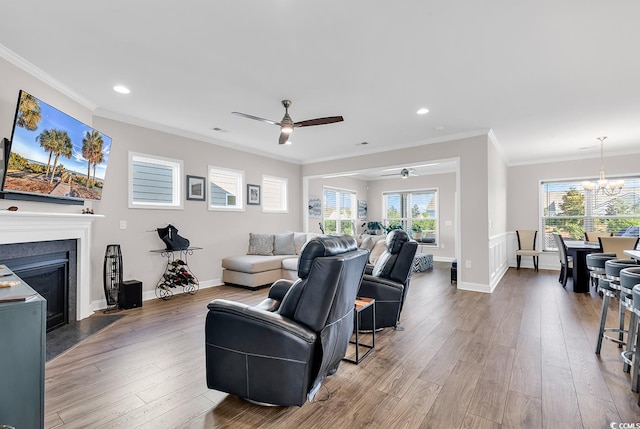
(606,187)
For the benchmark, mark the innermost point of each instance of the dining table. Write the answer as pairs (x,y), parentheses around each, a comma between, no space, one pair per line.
(634,254)
(579,250)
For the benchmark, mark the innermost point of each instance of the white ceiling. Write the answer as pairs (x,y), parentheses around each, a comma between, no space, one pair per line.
(546,77)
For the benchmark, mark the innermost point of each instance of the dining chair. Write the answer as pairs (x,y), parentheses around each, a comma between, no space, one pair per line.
(566,262)
(592,237)
(527,246)
(618,245)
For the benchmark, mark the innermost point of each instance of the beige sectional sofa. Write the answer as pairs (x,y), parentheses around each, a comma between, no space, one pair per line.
(272,257)
(269,257)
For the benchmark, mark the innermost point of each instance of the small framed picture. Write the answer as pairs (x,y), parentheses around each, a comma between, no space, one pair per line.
(253,195)
(195,188)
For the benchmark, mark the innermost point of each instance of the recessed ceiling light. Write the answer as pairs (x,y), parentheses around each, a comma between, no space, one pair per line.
(121,89)
(438,128)
(422,111)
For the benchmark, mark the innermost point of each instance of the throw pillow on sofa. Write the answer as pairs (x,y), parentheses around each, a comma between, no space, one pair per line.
(378,249)
(260,244)
(283,244)
(299,238)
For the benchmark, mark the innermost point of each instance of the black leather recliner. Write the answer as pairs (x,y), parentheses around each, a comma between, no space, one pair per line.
(388,281)
(280,351)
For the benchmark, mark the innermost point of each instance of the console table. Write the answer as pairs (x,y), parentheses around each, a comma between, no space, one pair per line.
(176,273)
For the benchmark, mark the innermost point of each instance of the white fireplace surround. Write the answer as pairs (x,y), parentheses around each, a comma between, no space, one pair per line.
(28,227)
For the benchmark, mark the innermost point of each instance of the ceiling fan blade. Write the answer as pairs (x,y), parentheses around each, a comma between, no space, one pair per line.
(256,118)
(319,121)
(284,138)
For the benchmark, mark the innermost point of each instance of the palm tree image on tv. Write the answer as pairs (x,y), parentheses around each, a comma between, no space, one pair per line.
(92,151)
(55,142)
(55,154)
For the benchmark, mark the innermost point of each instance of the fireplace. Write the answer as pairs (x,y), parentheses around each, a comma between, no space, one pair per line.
(49,267)
(41,228)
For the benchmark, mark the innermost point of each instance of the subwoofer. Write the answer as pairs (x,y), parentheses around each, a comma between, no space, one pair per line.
(130,294)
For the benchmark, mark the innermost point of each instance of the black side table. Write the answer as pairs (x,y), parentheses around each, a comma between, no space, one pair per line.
(361,304)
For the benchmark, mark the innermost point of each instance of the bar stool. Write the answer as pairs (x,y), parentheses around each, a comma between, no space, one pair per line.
(611,289)
(636,352)
(595,265)
(629,277)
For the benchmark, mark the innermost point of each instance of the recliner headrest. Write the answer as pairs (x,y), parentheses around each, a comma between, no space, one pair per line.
(395,240)
(323,245)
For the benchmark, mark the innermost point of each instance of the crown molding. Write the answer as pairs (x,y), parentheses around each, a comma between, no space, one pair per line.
(45,77)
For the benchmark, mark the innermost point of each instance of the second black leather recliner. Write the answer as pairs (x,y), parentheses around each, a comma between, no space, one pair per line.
(280,351)
(388,282)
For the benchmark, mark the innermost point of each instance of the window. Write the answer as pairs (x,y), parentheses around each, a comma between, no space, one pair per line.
(154,182)
(570,210)
(225,189)
(415,211)
(339,214)
(274,194)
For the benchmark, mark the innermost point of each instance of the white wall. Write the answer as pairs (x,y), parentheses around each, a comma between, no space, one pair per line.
(497,212)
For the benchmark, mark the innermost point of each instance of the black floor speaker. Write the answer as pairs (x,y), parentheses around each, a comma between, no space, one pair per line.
(130,294)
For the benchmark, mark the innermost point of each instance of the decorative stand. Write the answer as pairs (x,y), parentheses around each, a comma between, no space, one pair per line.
(177,273)
(112,276)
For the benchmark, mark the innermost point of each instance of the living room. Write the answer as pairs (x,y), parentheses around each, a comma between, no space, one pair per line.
(486,197)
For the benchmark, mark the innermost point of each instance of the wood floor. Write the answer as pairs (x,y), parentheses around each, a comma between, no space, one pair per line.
(521,357)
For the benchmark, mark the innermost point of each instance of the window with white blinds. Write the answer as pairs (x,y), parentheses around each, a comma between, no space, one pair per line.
(274,194)
(225,189)
(154,182)
(339,211)
(570,209)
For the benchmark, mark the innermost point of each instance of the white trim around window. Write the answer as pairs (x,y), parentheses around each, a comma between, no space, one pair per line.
(226,189)
(154,182)
(274,194)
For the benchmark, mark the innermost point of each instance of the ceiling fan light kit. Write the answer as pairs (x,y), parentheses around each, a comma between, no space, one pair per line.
(287,124)
(404,173)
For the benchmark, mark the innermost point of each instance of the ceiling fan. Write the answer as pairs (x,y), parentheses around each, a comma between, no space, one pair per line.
(287,125)
(404,173)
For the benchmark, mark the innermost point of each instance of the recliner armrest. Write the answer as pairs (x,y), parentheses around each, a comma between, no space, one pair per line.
(261,320)
(276,293)
(382,282)
(280,288)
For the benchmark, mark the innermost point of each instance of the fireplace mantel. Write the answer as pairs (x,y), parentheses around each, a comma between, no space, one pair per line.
(27,227)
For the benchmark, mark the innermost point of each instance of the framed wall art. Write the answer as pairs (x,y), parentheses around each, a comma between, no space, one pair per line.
(195,188)
(253,195)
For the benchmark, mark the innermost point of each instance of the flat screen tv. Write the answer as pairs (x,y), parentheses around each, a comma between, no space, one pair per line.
(54,155)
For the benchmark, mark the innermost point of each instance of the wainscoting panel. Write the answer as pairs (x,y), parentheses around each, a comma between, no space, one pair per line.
(498,258)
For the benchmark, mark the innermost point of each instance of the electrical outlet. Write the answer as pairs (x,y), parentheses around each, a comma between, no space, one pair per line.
(123,224)
(467,263)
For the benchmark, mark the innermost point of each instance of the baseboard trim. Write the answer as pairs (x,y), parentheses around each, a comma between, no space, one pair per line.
(475,287)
